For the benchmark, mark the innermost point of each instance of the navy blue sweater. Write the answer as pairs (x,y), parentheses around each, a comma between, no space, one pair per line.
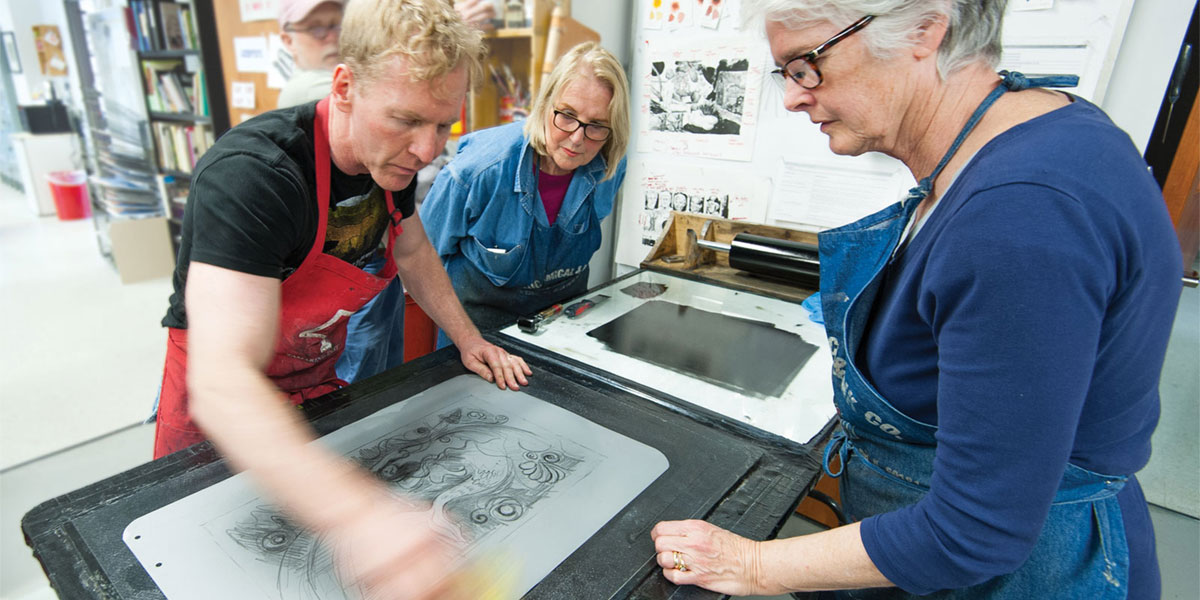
(1028,320)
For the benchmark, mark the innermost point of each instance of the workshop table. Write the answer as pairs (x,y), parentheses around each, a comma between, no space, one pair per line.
(725,472)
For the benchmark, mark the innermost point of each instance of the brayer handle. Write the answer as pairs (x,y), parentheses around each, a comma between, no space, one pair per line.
(531,324)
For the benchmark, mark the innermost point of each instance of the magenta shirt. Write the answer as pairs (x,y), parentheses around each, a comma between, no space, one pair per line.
(552,189)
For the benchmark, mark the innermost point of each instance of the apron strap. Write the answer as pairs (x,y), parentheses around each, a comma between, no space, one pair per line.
(1011,81)
(837,444)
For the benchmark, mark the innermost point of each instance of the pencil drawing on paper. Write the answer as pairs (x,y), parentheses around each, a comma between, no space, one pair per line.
(476,471)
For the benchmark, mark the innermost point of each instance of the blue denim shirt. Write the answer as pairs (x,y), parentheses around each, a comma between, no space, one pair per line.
(484,212)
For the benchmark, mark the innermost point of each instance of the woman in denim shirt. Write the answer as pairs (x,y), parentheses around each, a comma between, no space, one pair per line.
(516,215)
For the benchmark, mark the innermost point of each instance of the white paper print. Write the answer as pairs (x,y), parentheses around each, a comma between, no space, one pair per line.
(825,196)
(251,54)
(700,99)
(664,187)
(709,12)
(655,12)
(679,13)
(1031,5)
(243,95)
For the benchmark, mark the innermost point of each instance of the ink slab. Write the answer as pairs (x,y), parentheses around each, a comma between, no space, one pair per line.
(796,415)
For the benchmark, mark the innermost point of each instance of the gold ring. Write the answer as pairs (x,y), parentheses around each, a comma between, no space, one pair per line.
(679,564)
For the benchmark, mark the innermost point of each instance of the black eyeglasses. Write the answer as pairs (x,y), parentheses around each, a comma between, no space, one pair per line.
(803,69)
(319,32)
(591,131)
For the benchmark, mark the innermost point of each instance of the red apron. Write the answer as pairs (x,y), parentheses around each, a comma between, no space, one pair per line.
(316,302)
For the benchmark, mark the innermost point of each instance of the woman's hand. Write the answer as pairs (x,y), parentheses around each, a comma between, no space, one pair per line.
(698,553)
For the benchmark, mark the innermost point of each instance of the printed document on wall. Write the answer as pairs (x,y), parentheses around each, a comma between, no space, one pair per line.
(821,197)
(664,187)
(700,98)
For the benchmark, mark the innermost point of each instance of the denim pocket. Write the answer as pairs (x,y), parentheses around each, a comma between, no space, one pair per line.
(500,264)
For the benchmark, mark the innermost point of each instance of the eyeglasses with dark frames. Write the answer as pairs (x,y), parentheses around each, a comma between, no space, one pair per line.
(591,131)
(319,32)
(803,69)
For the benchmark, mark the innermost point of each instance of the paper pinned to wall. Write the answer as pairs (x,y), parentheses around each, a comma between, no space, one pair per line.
(1020,5)
(251,53)
(821,197)
(666,186)
(258,10)
(700,98)
(243,94)
(709,12)
(281,63)
(1034,57)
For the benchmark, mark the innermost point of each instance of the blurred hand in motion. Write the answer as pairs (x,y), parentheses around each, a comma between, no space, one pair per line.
(477,13)
(390,552)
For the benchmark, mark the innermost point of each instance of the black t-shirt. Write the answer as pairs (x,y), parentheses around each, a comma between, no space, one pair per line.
(252,205)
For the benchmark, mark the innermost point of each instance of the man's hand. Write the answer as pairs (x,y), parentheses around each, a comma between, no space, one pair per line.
(390,552)
(494,364)
(477,13)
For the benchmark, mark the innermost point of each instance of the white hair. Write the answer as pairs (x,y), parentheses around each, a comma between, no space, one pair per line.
(973,26)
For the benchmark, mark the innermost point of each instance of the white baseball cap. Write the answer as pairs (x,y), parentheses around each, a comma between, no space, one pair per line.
(291,11)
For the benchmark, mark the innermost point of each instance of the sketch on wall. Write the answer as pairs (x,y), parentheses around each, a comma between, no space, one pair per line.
(700,99)
(489,474)
(665,187)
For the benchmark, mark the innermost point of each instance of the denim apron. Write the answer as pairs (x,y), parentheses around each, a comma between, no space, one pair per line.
(887,457)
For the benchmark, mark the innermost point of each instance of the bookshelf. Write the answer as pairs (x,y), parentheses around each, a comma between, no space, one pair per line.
(528,49)
(150,111)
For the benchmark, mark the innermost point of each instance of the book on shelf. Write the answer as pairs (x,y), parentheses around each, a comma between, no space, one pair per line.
(170,87)
(180,145)
(171,17)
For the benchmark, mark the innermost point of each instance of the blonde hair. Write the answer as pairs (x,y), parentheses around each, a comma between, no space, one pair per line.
(586,59)
(430,36)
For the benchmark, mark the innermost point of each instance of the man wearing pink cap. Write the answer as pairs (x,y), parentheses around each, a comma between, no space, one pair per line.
(309,30)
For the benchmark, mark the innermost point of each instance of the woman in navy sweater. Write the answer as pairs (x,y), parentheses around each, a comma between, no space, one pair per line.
(997,336)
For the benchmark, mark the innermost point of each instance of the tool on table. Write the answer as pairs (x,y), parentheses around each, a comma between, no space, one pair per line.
(576,310)
(783,259)
(531,323)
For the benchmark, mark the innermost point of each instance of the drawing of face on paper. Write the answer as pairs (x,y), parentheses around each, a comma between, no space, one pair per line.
(655,12)
(708,13)
(476,473)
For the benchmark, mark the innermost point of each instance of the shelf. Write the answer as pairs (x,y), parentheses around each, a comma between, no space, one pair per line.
(158,54)
(179,117)
(509,32)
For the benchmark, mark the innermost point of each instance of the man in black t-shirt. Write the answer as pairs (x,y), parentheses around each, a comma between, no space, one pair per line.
(283,212)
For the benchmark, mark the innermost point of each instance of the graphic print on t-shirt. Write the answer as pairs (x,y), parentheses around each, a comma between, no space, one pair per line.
(356,227)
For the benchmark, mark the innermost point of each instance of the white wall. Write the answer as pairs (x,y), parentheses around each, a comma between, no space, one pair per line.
(1143,67)
(612,19)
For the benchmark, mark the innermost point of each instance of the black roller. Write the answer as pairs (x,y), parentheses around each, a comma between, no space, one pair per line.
(793,262)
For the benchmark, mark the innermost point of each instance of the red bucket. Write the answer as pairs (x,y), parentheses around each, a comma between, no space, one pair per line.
(70,194)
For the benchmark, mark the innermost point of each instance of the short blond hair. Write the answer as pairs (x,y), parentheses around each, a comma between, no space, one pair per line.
(586,59)
(428,34)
